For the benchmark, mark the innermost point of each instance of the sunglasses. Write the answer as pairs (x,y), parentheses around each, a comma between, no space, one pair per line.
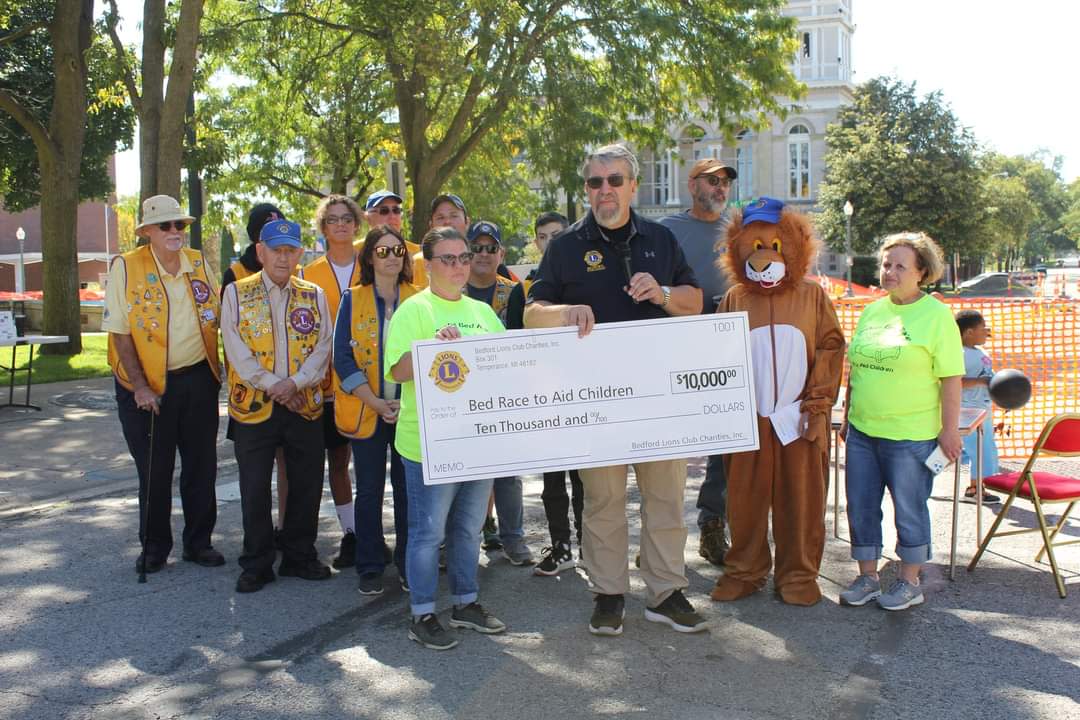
(463,259)
(596,182)
(716,181)
(180,225)
(346,219)
(383,251)
(480,248)
(396,210)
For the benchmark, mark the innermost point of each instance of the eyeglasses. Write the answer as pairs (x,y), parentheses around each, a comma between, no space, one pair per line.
(346,219)
(384,210)
(383,251)
(716,181)
(596,182)
(480,248)
(463,259)
(180,225)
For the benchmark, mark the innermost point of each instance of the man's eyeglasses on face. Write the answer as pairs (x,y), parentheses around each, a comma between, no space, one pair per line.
(383,251)
(180,225)
(717,181)
(463,259)
(480,248)
(384,210)
(614,180)
(346,219)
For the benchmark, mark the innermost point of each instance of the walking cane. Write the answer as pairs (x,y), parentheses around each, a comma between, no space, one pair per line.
(146,510)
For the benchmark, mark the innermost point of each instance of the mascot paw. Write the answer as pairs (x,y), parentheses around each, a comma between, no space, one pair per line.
(805,594)
(728,589)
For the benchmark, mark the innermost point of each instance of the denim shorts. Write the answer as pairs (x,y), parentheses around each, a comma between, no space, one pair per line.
(874,464)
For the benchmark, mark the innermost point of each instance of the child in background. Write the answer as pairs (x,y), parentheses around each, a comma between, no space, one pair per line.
(976,394)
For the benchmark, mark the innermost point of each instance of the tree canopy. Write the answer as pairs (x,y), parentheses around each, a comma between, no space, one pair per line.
(906,163)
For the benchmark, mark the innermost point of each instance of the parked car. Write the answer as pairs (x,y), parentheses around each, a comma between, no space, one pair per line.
(994,284)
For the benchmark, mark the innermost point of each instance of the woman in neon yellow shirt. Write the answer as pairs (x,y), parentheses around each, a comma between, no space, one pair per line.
(903,401)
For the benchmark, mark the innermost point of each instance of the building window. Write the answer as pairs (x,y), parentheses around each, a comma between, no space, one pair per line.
(744,166)
(806,45)
(799,162)
(655,181)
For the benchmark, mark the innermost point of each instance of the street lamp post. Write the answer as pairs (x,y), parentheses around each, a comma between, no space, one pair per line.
(849,210)
(20,279)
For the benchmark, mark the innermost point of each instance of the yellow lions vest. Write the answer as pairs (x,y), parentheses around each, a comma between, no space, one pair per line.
(240,271)
(248,404)
(501,298)
(320,273)
(148,316)
(354,419)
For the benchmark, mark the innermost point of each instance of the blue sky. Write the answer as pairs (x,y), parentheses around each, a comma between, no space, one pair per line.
(1002,66)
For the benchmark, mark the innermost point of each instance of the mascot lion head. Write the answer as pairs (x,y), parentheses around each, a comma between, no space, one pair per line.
(769,246)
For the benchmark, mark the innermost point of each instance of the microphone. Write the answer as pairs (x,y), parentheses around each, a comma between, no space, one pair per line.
(624,254)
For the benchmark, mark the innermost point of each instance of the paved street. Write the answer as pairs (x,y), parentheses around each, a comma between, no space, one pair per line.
(79,638)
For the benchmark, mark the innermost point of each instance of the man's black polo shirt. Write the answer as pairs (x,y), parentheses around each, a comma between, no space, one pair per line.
(581,267)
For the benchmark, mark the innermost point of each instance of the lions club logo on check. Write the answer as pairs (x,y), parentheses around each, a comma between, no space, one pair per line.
(594,260)
(448,370)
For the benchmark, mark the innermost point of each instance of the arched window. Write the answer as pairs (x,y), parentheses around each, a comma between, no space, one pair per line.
(744,165)
(799,162)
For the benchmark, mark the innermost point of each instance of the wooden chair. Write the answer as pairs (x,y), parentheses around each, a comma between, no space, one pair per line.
(1060,438)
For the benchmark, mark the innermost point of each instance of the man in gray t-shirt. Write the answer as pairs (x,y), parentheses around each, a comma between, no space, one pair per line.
(698,230)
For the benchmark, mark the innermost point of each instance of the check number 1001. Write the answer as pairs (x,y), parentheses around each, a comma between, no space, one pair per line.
(710,379)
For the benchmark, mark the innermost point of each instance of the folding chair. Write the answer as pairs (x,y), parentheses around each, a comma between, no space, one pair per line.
(1061,438)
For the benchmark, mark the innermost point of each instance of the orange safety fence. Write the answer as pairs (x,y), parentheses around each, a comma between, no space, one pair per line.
(1039,337)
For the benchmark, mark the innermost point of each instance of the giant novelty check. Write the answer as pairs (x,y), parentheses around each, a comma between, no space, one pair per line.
(531,401)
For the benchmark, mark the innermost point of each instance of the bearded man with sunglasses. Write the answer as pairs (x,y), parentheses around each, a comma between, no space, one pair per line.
(698,231)
(162,314)
(611,266)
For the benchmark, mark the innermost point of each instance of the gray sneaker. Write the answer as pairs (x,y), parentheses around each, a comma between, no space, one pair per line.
(518,553)
(901,596)
(475,617)
(864,589)
(427,631)
(677,612)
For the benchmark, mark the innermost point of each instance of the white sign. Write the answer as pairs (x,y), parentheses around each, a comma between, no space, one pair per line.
(7,325)
(532,401)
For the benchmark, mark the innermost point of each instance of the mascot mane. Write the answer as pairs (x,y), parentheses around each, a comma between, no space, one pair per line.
(799,248)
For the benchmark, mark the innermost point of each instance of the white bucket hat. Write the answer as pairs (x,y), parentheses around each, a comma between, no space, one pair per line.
(159,209)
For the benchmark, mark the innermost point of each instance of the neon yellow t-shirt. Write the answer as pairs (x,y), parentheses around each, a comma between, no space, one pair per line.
(419,318)
(898,355)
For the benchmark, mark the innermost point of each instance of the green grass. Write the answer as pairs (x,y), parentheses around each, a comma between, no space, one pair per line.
(91,362)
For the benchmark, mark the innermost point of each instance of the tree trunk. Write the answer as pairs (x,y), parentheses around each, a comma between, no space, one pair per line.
(70,32)
(425,187)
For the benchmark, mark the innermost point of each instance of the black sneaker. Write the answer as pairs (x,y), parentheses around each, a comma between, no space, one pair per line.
(607,615)
(427,631)
(369,584)
(346,557)
(404,584)
(553,560)
(676,612)
(491,539)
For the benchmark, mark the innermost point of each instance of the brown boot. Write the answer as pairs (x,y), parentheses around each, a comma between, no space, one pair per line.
(728,589)
(713,543)
(800,593)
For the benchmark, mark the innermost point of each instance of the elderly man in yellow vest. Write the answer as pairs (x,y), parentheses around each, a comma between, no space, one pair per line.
(277,333)
(161,313)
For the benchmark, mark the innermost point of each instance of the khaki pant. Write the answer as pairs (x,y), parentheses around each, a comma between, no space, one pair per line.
(605,540)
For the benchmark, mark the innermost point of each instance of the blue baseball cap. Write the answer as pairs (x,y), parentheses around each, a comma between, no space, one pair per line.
(483,227)
(764,209)
(280,232)
(377,197)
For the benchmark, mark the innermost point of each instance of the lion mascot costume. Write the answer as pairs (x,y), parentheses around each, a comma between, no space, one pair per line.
(797,350)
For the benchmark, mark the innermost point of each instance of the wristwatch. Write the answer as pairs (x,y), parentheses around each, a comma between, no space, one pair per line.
(667,295)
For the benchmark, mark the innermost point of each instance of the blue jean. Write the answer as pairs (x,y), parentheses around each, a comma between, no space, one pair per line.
(712,496)
(989,449)
(508,506)
(456,512)
(874,464)
(369,463)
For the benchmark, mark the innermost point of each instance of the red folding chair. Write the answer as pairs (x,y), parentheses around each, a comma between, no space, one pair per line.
(1060,438)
